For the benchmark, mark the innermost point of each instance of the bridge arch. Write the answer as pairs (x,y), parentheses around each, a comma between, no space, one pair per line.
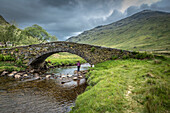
(38,61)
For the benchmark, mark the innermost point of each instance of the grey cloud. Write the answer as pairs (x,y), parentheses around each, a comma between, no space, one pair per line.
(59,3)
(163,5)
(160,6)
(64,18)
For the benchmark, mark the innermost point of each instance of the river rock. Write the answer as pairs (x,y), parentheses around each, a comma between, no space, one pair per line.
(79,73)
(75,71)
(84,72)
(36,74)
(20,73)
(25,75)
(48,76)
(14,72)
(75,78)
(17,76)
(32,71)
(80,76)
(11,75)
(4,73)
(64,76)
(69,75)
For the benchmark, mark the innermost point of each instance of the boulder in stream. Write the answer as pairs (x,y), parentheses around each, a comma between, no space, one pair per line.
(48,76)
(75,78)
(17,76)
(4,73)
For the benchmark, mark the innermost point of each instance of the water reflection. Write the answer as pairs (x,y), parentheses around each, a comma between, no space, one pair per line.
(40,95)
(69,70)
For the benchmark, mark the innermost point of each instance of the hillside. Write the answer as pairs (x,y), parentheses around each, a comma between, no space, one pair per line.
(3,21)
(142,31)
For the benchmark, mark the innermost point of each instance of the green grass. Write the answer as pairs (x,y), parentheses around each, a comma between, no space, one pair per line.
(10,66)
(64,59)
(132,85)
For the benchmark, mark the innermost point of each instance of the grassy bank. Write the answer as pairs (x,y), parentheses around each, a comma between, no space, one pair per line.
(64,59)
(9,63)
(10,66)
(126,86)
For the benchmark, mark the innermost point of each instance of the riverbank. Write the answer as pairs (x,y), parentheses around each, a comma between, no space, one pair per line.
(10,66)
(126,86)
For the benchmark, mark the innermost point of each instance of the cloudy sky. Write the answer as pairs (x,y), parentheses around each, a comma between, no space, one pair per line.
(66,18)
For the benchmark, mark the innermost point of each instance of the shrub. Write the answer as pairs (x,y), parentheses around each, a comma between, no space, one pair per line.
(114,57)
(143,55)
(135,52)
(161,57)
(6,58)
(125,57)
(1,57)
(16,50)
(19,62)
(92,49)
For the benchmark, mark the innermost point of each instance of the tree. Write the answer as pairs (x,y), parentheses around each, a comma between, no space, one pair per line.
(38,32)
(8,34)
(53,38)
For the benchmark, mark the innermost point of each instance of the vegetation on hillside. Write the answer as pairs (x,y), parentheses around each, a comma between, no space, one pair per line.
(10,35)
(3,21)
(131,85)
(146,30)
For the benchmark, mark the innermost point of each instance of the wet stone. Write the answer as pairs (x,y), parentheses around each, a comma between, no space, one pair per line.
(4,73)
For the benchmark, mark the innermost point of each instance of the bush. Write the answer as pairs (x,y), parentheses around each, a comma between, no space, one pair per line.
(6,58)
(143,55)
(160,57)
(19,62)
(1,57)
(125,57)
(92,49)
(16,50)
(135,52)
(114,57)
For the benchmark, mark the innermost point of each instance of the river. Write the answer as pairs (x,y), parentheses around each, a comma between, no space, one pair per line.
(42,96)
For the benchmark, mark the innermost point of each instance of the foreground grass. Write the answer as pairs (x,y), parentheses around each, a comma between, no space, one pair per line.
(126,86)
(64,59)
(10,66)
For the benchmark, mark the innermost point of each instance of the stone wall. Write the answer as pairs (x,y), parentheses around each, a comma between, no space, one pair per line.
(35,55)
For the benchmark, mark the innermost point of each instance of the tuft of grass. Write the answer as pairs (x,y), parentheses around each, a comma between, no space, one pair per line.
(129,85)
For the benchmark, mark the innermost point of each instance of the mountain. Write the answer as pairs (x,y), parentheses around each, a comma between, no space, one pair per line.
(145,30)
(3,21)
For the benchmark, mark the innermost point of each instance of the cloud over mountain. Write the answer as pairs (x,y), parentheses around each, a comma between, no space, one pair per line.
(65,18)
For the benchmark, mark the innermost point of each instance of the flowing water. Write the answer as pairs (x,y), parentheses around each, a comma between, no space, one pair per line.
(40,96)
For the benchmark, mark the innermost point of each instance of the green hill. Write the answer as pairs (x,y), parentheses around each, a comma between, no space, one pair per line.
(146,30)
(3,21)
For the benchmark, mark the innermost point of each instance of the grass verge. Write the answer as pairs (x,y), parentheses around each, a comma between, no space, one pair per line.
(126,86)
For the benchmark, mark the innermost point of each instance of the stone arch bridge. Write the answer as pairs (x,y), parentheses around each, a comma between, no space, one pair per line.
(35,55)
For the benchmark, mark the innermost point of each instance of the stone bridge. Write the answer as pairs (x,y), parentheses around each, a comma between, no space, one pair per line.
(35,55)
